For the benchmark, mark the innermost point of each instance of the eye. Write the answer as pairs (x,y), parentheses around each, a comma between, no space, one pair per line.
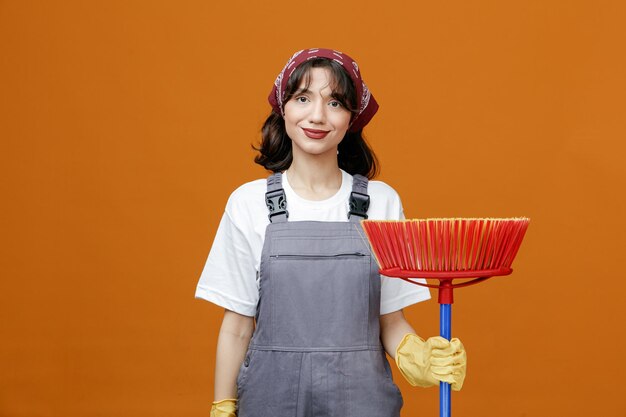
(335,104)
(301,99)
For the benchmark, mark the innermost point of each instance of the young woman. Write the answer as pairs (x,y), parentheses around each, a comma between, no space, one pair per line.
(290,253)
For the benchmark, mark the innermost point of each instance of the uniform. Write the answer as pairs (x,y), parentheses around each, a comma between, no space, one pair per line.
(316,349)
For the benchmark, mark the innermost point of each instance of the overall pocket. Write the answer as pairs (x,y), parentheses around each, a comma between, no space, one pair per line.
(243,371)
(320,300)
(389,376)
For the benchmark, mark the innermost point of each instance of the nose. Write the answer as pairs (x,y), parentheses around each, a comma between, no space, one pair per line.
(318,112)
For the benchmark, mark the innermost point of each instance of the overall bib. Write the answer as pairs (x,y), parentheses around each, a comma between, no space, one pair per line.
(316,349)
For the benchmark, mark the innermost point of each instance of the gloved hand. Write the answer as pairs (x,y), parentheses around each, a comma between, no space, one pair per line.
(224,408)
(425,363)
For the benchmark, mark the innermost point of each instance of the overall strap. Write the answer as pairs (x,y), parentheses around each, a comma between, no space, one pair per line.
(359,199)
(275,199)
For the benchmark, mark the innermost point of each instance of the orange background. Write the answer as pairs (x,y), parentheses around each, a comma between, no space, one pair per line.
(125,125)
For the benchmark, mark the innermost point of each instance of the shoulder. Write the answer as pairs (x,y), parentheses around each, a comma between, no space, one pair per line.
(382,190)
(247,201)
(248,191)
(385,201)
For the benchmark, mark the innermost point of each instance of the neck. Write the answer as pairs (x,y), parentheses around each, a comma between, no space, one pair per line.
(315,177)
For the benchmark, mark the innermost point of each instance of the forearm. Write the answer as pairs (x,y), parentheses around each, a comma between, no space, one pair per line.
(232,344)
(393,327)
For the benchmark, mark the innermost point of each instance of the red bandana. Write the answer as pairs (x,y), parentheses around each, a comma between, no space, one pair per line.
(366,104)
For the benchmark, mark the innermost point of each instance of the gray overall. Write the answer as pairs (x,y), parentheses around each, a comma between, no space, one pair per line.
(316,349)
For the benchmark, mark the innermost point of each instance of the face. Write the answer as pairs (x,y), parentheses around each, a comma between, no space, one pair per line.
(315,121)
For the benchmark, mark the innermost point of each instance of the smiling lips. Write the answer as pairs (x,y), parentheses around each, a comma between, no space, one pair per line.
(315,134)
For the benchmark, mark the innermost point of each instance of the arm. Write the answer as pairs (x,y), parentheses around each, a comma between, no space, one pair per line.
(232,344)
(393,327)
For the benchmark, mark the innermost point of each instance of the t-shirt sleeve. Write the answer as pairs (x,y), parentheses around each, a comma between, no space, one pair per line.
(396,293)
(229,275)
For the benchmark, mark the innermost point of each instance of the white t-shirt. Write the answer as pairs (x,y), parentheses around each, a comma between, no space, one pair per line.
(230,275)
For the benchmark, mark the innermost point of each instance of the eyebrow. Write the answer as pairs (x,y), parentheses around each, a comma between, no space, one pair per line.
(307,91)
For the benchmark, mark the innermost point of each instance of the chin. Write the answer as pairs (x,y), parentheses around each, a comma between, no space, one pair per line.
(315,150)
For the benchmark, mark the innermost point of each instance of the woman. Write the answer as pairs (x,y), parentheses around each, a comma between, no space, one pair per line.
(290,252)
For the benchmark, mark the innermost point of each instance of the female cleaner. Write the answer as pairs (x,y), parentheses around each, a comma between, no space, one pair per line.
(290,253)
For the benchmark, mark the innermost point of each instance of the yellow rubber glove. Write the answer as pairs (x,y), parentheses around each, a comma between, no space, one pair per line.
(425,363)
(224,408)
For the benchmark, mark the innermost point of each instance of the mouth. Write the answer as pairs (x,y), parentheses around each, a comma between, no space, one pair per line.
(315,133)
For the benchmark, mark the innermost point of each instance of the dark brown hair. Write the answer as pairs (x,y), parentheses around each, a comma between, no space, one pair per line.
(355,156)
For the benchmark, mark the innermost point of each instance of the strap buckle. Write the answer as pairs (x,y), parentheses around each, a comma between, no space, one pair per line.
(276,203)
(359,203)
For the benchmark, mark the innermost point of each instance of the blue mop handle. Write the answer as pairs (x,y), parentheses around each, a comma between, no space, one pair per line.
(445,330)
